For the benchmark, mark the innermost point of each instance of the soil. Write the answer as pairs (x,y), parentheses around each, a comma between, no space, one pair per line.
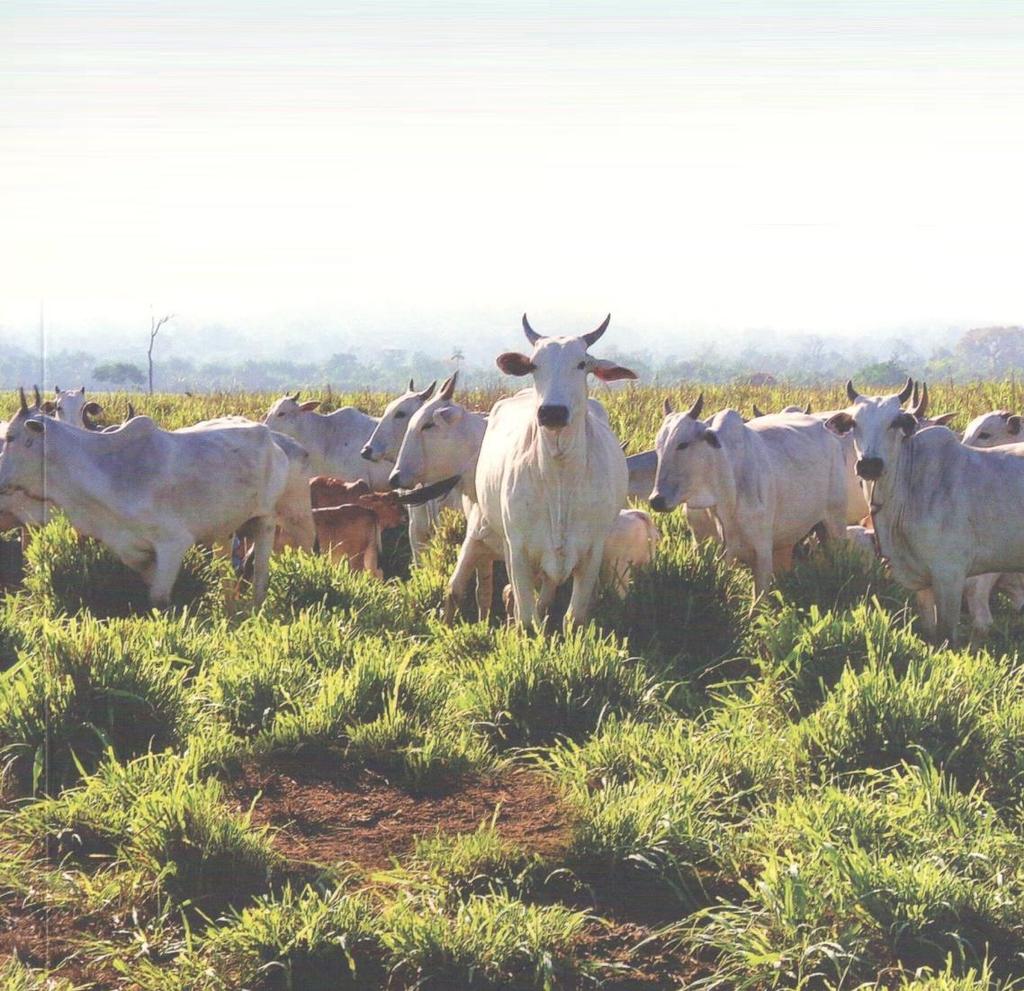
(323,813)
(50,939)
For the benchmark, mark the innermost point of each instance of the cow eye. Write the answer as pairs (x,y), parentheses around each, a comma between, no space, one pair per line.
(582,365)
(428,426)
(682,445)
(280,412)
(984,436)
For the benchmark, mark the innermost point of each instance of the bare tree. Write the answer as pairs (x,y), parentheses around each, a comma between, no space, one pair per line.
(154,329)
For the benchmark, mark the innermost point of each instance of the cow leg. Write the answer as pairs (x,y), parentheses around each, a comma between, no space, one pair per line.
(162,572)
(978,593)
(519,574)
(420,528)
(702,524)
(925,600)
(949,593)
(263,530)
(371,556)
(762,570)
(584,583)
(484,586)
(465,567)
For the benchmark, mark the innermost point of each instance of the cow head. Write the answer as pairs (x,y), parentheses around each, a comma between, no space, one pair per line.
(387,436)
(559,366)
(434,446)
(879,424)
(21,466)
(993,429)
(70,406)
(287,410)
(387,508)
(687,447)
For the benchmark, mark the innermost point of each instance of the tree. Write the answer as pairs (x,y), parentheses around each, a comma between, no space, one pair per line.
(993,351)
(119,373)
(154,329)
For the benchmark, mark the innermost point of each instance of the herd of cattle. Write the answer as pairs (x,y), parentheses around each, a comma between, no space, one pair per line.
(543,483)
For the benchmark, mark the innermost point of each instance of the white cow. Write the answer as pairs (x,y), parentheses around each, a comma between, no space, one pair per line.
(768,482)
(334,440)
(383,447)
(942,511)
(997,429)
(443,440)
(149,494)
(70,406)
(551,477)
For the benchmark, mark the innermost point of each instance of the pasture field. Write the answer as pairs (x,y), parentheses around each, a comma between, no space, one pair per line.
(339,792)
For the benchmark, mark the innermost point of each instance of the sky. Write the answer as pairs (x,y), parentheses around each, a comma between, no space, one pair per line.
(437,167)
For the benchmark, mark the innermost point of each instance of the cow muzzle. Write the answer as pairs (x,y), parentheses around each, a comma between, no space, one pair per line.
(395,480)
(870,469)
(367,453)
(553,417)
(658,503)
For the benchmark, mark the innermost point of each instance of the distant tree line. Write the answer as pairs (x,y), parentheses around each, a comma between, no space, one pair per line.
(981,353)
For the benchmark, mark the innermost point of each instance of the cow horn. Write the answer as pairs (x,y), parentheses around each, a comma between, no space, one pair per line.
(694,411)
(807,410)
(131,412)
(427,392)
(88,422)
(412,385)
(851,393)
(39,398)
(21,396)
(595,335)
(757,412)
(531,335)
(448,388)
(667,406)
(920,406)
(56,390)
(907,390)
(295,398)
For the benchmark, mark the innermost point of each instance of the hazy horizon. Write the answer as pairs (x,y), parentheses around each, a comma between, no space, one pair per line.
(421,172)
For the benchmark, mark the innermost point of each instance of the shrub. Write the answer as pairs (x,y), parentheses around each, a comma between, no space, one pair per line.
(686,607)
(533,688)
(965,711)
(839,576)
(84,689)
(67,574)
(310,940)
(486,943)
(204,856)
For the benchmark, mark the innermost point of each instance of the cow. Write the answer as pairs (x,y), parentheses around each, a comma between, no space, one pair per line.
(149,494)
(18,508)
(631,543)
(70,406)
(384,445)
(333,440)
(352,532)
(768,482)
(325,491)
(943,512)
(993,429)
(806,410)
(551,476)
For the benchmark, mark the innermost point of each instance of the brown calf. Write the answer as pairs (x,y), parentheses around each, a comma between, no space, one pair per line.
(326,491)
(352,532)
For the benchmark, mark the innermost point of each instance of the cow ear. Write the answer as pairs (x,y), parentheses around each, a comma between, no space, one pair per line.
(1013,423)
(49,407)
(514,363)
(944,418)
(840,423)
(34,426)
(447,415)
(309,405)
(712,438)
(93,408)
(906,422)
(609,371)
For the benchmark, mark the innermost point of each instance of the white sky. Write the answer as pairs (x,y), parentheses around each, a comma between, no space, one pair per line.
(816,166)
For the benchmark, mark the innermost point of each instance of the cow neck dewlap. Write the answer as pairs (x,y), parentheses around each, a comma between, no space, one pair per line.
(564,449)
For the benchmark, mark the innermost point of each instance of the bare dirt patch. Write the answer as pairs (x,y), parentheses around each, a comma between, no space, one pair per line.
(324,813)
